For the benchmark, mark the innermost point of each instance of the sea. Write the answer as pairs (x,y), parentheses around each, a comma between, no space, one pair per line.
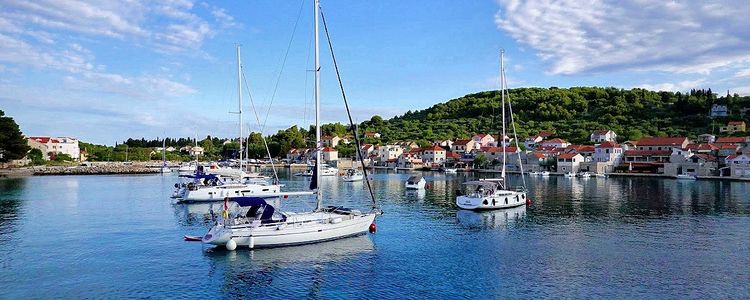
(74,237)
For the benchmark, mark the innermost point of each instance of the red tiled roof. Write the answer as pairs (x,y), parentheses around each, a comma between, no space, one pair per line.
(452,155)
(462,142)
(736,123)
(728,146)
(567,155)
(545,133)
(701,147)
(555,141)
(730,139)
(538,155)
(601,132)
(329,149)
(326,138)
(608,144)
(415,150)
(648,153)
(661,141)
(435,148)
(706,157)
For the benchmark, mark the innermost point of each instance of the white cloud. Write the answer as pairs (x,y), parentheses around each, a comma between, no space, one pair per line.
(596,36)
(743,73)
(681,86)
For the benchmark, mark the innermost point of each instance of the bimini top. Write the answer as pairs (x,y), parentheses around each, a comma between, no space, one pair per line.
(248,201)
(414,179)
(201,176)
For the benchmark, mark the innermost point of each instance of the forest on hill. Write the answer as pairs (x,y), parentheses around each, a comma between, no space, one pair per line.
(572,113)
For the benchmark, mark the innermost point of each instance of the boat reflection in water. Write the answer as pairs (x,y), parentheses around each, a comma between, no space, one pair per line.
(415,194)
(502,218)
(331,251)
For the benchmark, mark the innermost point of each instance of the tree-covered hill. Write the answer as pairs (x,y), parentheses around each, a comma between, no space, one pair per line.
(572,113)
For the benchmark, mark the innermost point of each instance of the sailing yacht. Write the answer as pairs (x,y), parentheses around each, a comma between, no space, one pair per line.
(233,183)
(164,167)
(495,193)
(255,223)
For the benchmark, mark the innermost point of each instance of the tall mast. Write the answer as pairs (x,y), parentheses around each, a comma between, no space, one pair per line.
(502,97)
(318,195)
(239,97)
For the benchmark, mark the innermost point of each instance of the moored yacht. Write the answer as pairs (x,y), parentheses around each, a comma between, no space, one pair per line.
(353,175)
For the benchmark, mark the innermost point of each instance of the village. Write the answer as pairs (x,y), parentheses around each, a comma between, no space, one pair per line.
(707,156)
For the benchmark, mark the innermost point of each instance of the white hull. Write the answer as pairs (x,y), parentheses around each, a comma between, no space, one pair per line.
(501,199)
(416,186)
(166,170)
(218,193)
(451,171)
(685,177)
(544,174)
(357,177)
(298,229)
(570,174)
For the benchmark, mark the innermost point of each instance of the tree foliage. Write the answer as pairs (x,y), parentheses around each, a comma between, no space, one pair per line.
(12,142)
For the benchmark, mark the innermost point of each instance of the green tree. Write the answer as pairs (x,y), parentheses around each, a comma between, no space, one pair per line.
(12,142)
(61,157)
(36,156)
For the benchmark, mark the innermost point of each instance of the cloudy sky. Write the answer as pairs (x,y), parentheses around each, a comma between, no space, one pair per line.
(107,70)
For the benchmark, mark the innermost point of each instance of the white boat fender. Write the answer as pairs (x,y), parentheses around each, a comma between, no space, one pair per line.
(231,245)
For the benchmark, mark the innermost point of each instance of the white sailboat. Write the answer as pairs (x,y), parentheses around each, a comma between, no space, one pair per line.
(353,175)
(254,223)
(164,167)
(495,193)
(230,182)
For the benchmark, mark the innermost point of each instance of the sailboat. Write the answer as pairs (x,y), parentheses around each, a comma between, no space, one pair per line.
(217,183)
(255,223)
(164,167)
(495,193)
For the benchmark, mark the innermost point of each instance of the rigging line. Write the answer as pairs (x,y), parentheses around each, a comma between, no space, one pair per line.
(348,112)
(257,119)
(515,136)
(281,70)
(307,76)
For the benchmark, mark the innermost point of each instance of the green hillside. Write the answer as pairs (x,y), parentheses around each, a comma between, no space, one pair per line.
(572,113)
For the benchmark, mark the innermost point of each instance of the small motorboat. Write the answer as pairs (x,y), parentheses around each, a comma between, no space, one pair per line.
(544,174)
(570,174)
(584,174)
(600,175)
(534,173)
(353,175)
(415,182)
(451,171)
(685,177)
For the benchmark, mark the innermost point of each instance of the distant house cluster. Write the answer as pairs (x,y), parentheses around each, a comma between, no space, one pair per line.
(51,147)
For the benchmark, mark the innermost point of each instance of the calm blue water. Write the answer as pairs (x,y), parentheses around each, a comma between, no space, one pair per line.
(121,237)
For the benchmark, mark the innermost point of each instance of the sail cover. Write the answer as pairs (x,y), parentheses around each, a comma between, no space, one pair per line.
(314,179)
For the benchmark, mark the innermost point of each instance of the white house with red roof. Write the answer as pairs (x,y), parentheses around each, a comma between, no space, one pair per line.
(608,152)
(464,146)
(433,155)
(662,143)
(330,141)
(389,152)
(483,139)
(556,142)
(329,154)
(739,165)
(569,162)
(603,135)
(372,135)
(496,153)
(51,146)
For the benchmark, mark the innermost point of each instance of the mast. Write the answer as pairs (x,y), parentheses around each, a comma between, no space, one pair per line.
(239,98)
(318,194)
(502,97)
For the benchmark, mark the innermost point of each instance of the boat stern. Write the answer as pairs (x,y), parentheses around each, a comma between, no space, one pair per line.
(466,202)
(217,235)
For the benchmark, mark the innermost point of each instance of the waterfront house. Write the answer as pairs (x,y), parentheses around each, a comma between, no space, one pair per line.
(464,146)
(483,140)
(330,141)
(367,150)
(531,141)
(733,126)
(409,160)
(728,149)
(537,161)
(707,138)
(702,148)
(661,143)
(556,142)
(433,155)
(603,135)
(719,110)
(609,152)
(52,146)
(389,152)
(569,162)
(660,156)
(587,151)
(496,153)
(329,154)
(739,165)
(696,164)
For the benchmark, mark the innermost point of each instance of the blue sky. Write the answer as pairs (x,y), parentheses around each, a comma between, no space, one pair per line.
(107,70)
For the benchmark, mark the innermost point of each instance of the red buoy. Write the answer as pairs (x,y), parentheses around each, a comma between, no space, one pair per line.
(373,228)
(528,201)
(286,196)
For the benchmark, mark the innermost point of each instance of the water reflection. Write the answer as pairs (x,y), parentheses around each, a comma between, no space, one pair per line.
(501,218)
(299,271)
(10,204)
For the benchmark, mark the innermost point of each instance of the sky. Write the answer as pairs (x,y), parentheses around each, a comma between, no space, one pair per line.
(107,70)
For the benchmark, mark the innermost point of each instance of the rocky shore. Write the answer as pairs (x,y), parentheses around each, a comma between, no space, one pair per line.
(96,169)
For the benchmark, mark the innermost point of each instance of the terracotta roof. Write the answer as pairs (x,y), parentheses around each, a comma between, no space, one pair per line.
(706,157)
(435,148)
(730,139)
(736,123)
(415,150)
(555,141)
(538,155)
(452,155)
(608,144)
(462,142)
(370,133)
(661,141)
(567,155)
(648,153)
(327,138)
(701,147)
(329,149)
(729,146)
(601,131)
(545,133)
